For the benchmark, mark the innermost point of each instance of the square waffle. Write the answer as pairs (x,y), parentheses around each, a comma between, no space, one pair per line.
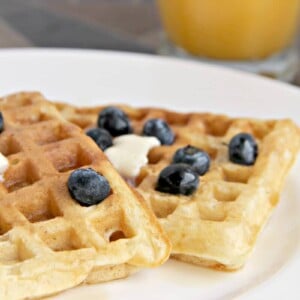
(219,224)
(48,241)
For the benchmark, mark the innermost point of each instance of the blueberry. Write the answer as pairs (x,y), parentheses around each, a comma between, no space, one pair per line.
(198,159)
(178,179)
(1,122)
(115,121)
(160,129)
(88,187)
(101,136)
(243,149)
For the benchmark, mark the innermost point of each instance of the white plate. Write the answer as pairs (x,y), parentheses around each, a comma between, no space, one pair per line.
(93,77)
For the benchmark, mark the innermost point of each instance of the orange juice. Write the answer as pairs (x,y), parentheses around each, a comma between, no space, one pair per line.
(230,29)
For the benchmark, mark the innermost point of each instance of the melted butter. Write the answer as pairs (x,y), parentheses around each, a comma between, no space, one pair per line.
(129,153)
(3,166)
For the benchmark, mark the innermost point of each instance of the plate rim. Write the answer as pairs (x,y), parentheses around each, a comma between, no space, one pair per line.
(149,56)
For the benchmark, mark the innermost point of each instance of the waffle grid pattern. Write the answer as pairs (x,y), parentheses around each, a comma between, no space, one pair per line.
(49,242)
(218,225)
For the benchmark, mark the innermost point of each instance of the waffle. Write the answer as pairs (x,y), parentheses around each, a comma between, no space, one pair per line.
(219,224)
(49,242)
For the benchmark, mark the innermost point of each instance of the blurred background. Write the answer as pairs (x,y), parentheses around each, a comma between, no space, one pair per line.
(136,26)
(129,25)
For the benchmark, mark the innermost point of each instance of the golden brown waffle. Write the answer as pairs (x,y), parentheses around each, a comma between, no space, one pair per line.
(48,241)
(218,225)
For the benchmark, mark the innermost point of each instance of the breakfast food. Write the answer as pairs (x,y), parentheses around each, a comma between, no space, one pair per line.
(214,180)
(66,216)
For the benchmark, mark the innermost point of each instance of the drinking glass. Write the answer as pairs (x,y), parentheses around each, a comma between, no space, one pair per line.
(253,35)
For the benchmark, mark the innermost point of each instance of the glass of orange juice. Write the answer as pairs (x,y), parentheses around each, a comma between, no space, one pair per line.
(255,35)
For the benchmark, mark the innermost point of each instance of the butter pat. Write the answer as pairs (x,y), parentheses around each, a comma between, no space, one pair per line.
(3,166)
(129,153)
